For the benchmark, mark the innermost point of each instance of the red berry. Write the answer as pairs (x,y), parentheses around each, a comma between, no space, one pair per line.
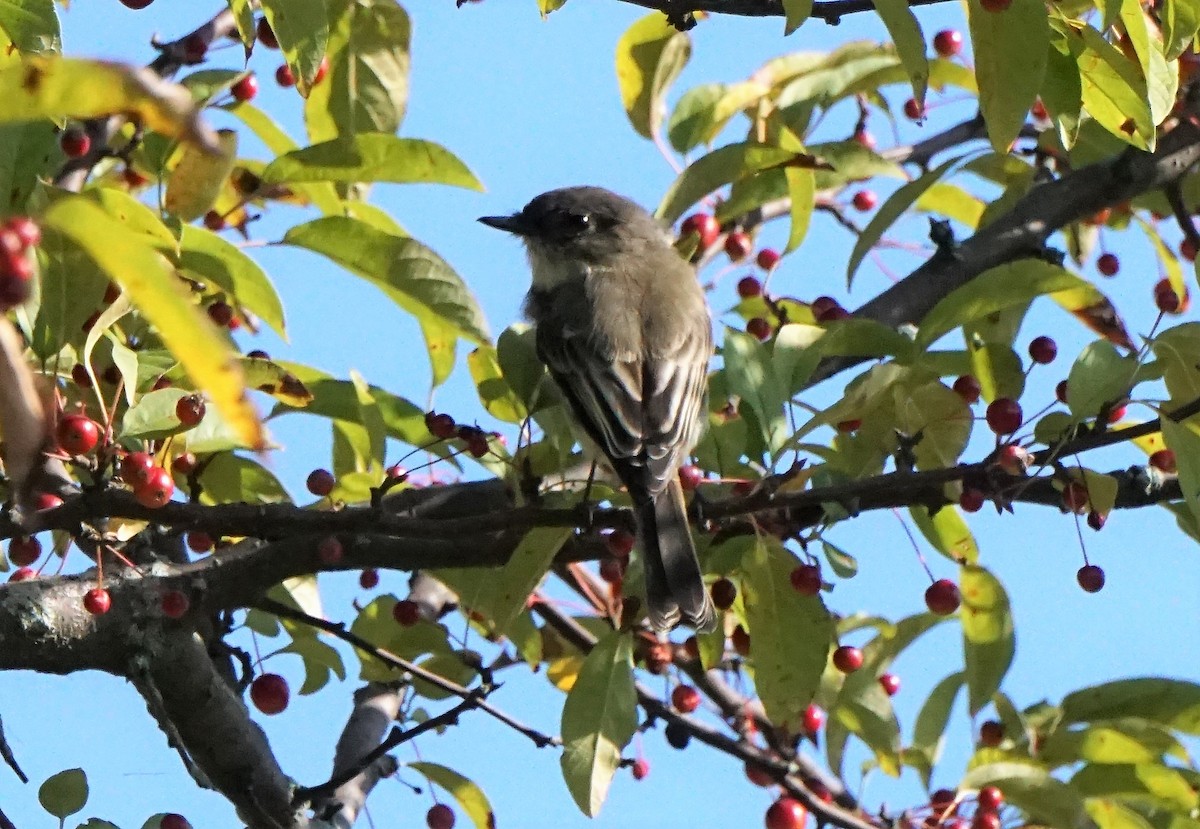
(322,71)
(941,799)
(368,579)
(847,659)
(612,570)
(155,489)
(738,245)
(320,482)
(758,776)
(890,684)
(786,813)
(214,221)
(814,719)
(194,48)
(1043,350)
(330,550)
(27,230)
(1097,520)
(806,579)
(77,434)
(1038,110)
(406,612)
(477,446)
(22,574)
(133,178)
(690,477)
(175,604)
(1013,459)
(24,550)
(942,597)
(284,76)
(97,601)
(170,821)
(760,328)
(985,820)
(864,138)
(846,426)
(685,698)
(971,500)
(991,733)
(989,799)
(865,200)
(913,110)
(948,43)
(1187,249)
(45,500)
(749,287)
(1164,461)
(740,638)
(245,89)
(620,543)
(724,592)
(163,382)
(221,313)
(184,464)
(199,541)
(823,304)
(135,466)
(269,693)
(703,225)
(440,425)
(1060,391)
(1004,415)
(190,410)
(440,816)
(1108,264)
(995,6)
(834,315)
(266,35)
(1090,578)
(79,376)
(767,259)
(1168,301)
(1075,497)
(74,142)
(640,769)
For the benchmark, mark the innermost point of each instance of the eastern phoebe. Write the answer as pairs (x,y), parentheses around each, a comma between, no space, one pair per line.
(624,329)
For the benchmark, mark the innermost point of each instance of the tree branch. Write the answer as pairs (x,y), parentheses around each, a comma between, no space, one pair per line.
(831,11)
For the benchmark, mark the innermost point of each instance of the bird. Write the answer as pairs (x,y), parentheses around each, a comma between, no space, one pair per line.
(624,329)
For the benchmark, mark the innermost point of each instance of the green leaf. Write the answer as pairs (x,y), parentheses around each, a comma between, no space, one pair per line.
(939,416)
(149,282)
(1114,91)
(1109,814)
(231,479)
(1180,22)
(802,195)
(929,731)
(1151,784)
(598,720)
(372,157)
(889,211)
(1162,79)
(213,260)
(1099,375)
(51,87)
(751,377)
(366,89)
(947,532)
(953,202)
(1184,440)
(302,28)
(470,797)
(28,150)
(795,13)
(72,288)
(65,793)
(1003,286)
(1010,62)
(842,563)
(988,638)
(31,25)
(650,55)
(906,33)
(494,391)
(1125,741)
(196,180)
(321,661)
(694,120)
(787,669)
(1032,790)
(265,129)
(1171,703)
(412,275)
(500,593)
(1175,351)
(243,18)
(716,169)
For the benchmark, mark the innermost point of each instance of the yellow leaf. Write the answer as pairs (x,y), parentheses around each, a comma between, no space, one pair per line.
(151,285)
(196,181)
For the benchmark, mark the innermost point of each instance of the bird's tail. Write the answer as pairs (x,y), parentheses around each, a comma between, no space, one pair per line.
(675,588)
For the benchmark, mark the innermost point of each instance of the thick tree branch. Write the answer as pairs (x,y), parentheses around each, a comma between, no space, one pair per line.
(831,11)
(375,708)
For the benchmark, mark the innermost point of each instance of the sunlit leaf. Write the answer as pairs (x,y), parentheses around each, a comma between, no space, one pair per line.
(988,638)
(906,33)
(716,169)
(650,55)
(1032,790)
(213,260)
(947,532)
(372,157)
(302,28)
(31,25)
(196,180)
(1172,703)
(65,793)
(1099,375)
(1010,61)
(470,797)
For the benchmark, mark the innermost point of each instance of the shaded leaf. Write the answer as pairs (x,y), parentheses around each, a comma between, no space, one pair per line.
(1032,790)
(716,169)
(213,260)
(302,29)
(1172,703)
(1010,62)
(65,793)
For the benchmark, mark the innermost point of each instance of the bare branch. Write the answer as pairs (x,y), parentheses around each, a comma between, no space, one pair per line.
(831,11)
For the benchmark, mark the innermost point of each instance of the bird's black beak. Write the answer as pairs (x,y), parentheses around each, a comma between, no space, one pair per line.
(516,223)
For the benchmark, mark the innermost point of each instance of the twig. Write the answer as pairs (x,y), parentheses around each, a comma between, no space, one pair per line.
(831,11)
(1174,193)
(10,758)
(5,823)
(339,630)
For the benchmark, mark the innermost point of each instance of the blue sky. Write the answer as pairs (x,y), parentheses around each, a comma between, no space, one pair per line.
(530,105)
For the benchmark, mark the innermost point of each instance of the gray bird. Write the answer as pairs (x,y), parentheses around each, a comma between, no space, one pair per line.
(624,329)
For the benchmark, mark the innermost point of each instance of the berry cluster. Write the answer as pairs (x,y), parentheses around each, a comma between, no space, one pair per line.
(17,236)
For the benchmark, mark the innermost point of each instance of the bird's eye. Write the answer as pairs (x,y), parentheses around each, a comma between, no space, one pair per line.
(574,222)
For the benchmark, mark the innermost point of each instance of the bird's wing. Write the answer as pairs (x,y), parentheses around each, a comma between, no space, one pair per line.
(644,413)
